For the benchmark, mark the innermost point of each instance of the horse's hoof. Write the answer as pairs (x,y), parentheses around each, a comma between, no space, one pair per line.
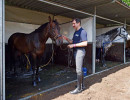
(97,60)
(34,84)
(39,80)
(104,65)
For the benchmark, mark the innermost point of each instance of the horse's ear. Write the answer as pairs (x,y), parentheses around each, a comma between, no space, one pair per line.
(56,20)
(49,19)
(124,27)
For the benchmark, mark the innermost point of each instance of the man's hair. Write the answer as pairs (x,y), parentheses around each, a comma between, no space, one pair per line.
(77,20)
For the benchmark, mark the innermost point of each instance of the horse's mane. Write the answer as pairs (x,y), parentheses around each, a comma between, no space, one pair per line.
(39,29)
(55,21)
(111,31)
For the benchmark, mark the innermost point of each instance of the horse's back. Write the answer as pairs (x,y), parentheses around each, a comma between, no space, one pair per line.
(15,36)
(17,41)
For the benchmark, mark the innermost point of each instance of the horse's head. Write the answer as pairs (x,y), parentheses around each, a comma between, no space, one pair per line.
(122,32)
(54,31)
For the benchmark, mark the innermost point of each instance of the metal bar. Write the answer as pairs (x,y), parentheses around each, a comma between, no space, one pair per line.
(108,19)
(2,50)
(124,51)
(22,22)
(52,51)
(124,44)
(94,42)
(3,39)
(1,80)
(62,6)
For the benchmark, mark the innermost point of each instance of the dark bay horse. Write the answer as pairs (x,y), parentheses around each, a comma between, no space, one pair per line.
(104,41)
(33,44)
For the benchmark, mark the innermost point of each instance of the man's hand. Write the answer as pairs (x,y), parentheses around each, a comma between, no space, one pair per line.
(70,46)
(67,39)
(64,37)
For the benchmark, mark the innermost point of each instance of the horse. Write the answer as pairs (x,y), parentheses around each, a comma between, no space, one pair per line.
(33,44)
(104,41)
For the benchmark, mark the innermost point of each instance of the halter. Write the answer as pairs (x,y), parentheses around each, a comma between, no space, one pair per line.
(122,35)
(56,35)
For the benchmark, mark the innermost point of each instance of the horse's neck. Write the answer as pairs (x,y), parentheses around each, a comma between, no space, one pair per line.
(43,33)
(43,37)
(113,36)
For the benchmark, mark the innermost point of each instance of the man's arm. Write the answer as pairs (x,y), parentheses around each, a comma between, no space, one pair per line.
(83,39)
(67,39)
(81,44)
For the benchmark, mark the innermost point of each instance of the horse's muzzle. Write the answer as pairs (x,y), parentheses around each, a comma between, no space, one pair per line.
(59,40)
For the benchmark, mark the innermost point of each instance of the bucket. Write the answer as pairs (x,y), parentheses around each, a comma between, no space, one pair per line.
(84,71)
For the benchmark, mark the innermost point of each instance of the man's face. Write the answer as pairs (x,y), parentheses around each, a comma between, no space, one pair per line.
(75,25)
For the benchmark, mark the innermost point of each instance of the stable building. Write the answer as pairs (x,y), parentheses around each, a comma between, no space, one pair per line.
(97,17)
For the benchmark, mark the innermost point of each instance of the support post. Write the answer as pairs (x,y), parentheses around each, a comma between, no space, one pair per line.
(52,52)
(94,42)
(2,50)
(124,44)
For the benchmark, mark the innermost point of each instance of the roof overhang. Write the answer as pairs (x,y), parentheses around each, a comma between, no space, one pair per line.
(107,11)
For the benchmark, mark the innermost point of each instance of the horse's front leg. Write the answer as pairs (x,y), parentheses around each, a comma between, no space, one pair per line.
(37,74)
(103,61)
(34,77)
(34,71)
(103,58)
(37,71)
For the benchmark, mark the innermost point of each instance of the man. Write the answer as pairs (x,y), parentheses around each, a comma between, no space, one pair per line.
(78,44)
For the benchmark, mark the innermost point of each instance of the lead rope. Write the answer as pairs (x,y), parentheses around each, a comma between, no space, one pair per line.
(41,65)
(70,53)
(63,48)
(50,58)
(28,64)
(48,61)
(70,60)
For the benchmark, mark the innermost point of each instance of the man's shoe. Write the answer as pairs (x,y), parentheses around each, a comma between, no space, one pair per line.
(79,82)
(83,87)
(76,91)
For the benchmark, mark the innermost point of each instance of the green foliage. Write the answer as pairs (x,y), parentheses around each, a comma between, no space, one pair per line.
(127,2)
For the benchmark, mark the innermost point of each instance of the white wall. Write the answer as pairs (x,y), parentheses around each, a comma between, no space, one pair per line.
(13,27)
(67,29)
(104,30)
